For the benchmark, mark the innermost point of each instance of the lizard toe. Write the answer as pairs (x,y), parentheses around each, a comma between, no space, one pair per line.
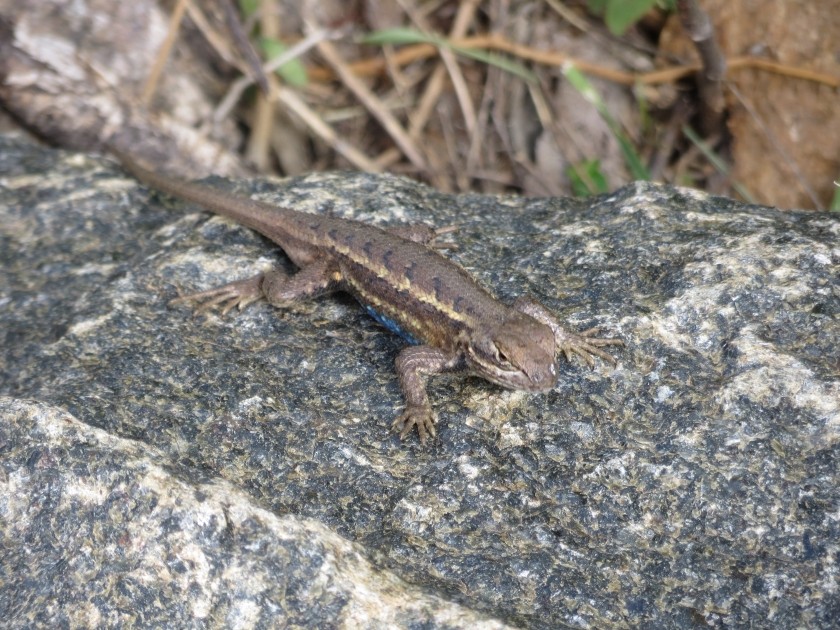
(418,417)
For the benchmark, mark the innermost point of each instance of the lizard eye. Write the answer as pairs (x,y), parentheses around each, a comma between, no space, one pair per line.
(502,359)
(490,353)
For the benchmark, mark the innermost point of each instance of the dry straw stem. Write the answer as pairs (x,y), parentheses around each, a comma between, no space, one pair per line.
(421,115)
(373,104)
(498,43)
(324,132)
(160,61)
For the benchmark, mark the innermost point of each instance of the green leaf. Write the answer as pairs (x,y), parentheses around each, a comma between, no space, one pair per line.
(249,7)
(293,72)
(621,14)
(597,7)
(400,36)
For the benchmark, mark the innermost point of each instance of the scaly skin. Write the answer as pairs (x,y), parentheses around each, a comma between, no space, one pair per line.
(402,280)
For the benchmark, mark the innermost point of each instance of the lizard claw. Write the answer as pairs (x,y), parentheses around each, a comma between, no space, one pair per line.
(586,346)
(420,417)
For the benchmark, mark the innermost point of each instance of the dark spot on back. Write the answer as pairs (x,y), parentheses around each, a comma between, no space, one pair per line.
(437,286)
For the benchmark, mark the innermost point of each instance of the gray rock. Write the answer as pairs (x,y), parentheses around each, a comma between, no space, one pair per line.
(165,469)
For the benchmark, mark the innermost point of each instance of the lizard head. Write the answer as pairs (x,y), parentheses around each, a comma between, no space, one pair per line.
(518,353)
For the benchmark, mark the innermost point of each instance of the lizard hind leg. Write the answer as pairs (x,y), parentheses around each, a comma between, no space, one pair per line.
(276,286)
(317,278)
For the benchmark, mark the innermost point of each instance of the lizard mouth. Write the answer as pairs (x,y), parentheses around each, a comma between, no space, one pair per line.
(516,379)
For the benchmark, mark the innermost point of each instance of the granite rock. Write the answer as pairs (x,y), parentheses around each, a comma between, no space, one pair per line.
(164,469)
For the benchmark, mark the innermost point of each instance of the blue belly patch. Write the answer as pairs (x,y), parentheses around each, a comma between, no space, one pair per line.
(391,325)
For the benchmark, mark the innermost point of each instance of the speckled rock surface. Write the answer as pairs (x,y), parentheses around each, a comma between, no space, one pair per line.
(161,468)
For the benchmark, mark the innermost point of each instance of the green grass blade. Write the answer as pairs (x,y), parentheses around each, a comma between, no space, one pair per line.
(716,161)
(631,157)
(403,36)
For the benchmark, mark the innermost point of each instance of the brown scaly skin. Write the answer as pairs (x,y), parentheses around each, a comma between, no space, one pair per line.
(396,273)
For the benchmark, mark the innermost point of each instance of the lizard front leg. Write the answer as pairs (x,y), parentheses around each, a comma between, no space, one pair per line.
(276,286)
(582,344)
(415,364)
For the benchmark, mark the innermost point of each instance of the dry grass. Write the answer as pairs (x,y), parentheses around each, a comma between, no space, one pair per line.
(439,114)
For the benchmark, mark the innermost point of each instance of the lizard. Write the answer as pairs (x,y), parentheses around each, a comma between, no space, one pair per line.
(450,322)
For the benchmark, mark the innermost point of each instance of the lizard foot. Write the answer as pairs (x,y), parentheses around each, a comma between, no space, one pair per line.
(586,346)
(420,417)
(239,294)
